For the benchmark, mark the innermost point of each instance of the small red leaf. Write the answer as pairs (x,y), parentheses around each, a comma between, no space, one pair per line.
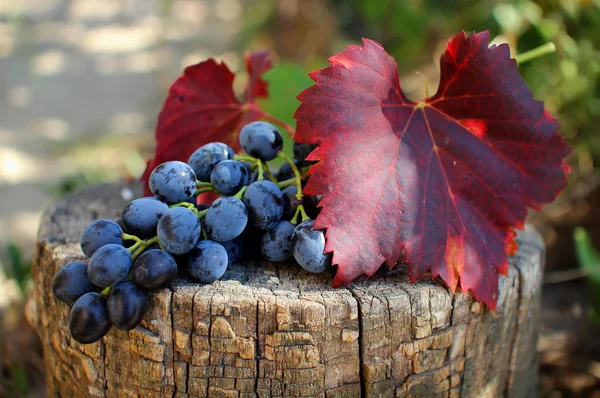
(443,179)
(257,63)
(201,108)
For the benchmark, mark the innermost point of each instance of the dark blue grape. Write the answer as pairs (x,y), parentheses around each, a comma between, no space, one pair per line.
(141,216)
(308,246)
(311,204)
(110,265)
(89,321)
(205,158)
(251,238)
(276,244)
(202,206)
(72,282)
(228,177)
(226,219)
(100,233)
(286,172)
(173,182)
(121,224)
(261,140)
(252,175)
(126,305)
(264,202)
(289,202)
(154,269)
(207,261)
(178,230)
(235,249)
(301,151)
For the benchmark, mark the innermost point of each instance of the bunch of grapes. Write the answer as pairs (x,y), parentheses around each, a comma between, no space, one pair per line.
(158,237)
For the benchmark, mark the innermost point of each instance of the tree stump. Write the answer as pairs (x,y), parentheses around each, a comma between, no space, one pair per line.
(274,330)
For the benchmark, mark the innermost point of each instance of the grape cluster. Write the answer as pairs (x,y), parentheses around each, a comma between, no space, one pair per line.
(258,213)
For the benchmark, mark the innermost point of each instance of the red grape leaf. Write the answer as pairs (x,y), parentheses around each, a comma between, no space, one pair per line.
(201,108)
(445,179)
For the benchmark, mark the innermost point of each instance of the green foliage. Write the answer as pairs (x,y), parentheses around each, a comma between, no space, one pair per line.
(17,268)
(589,261)
(286,81)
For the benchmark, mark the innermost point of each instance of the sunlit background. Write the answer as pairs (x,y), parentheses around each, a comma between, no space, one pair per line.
(82,82)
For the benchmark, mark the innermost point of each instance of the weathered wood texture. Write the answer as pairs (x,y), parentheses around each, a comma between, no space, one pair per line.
(273,330)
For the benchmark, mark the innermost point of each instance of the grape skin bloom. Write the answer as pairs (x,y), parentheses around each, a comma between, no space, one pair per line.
(226,219)
(178,230)
(228,177)
(308,247)
(89,321)
(205,158)
(208,261)
(276,244)
(264,202)
(173,182)
(110,265)
(261,140)
(100,233)
(72,282)
(141,216)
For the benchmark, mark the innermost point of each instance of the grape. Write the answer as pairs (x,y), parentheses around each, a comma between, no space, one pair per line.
(234,248)
(226,219)
(126,305)
(89,321)
(110,265)
(276,244)
(100,233)
(202,206)
(154,269)
(301,151)
(72,282)
(205,158)
(141,216)
(252,175)
(173,182)
(228,177)
(121,224)
(286,172)
(289,202)
(208,261)
(308,246)
(311,204)
(178,230)
(261,140)
(251,238)
(264,202)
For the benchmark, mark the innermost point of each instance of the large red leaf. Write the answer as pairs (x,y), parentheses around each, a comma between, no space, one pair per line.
(201,108)
(443,180)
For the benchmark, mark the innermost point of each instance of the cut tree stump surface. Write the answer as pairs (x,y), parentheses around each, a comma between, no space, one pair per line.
(267,330)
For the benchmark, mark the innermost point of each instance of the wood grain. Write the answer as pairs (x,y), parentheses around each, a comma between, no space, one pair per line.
(273,330)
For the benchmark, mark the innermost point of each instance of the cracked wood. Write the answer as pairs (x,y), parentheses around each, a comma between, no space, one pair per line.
(268,330)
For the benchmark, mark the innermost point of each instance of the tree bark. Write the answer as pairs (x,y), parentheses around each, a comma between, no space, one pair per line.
(271,329)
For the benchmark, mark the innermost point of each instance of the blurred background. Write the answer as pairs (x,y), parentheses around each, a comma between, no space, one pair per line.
(82,82)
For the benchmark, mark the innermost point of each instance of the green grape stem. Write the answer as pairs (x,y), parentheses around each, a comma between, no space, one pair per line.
(240,194)
(299,212)
(534,53)
(256,162)
(268,172)
(285,157)
(286,183)
(203,184)
(188,205)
